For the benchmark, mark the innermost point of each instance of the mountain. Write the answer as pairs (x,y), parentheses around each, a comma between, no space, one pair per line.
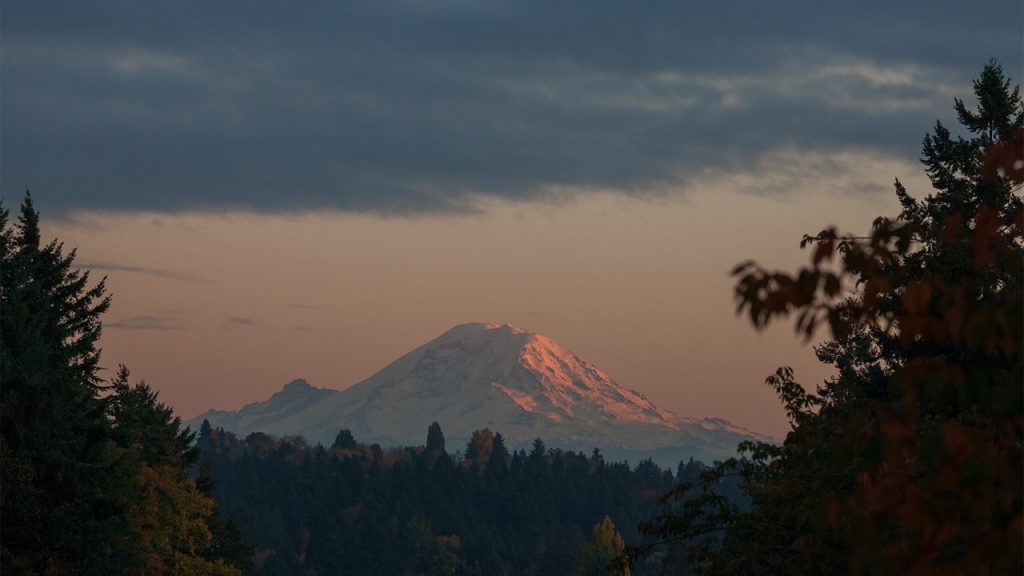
(512,381)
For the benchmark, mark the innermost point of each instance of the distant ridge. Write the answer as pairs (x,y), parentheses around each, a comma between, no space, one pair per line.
(510,380)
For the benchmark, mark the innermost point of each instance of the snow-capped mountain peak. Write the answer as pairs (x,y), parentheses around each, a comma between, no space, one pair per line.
(567,381)
(478,375)
(540,376)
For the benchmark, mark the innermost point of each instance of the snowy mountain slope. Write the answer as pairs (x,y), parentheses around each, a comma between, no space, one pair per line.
(483,375)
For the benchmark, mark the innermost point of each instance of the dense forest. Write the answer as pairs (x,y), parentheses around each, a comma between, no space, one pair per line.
(360,509)
(907,461)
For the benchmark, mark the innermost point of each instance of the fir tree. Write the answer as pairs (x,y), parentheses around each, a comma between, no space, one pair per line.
(58,510)
(499,457)
(435,440)
(92,476)
(345,440)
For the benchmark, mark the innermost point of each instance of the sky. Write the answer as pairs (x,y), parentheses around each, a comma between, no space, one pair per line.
(278,190)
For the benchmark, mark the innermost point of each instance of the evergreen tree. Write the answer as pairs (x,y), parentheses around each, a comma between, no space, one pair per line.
(92,476)
(499,457)
(58,511)
(538,451)
(909,460)
(146,425)
(345,440)
(205,430)
(435,440)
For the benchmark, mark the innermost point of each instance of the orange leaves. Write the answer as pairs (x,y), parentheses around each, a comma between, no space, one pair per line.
(766,295)
(917,318)
(933,454)
(917,297)
(957,438)
(823,251)
(985,238)
(910,302)
(910,459)
(835,512)
(170,526)
(816,292)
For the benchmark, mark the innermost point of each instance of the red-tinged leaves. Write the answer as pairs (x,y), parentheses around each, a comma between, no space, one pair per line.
(1005,158)
(743,267)
(832,285)
(909,460)
(986,225)
(917,298)
(952,228)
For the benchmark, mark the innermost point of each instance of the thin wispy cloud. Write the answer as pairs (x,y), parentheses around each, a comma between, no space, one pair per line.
(234,322)
(147,322)
(155,272)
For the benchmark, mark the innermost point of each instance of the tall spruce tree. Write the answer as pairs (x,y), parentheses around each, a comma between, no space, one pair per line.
(92,475)
(344,440)
(435,439)
(58,510)
(498,459)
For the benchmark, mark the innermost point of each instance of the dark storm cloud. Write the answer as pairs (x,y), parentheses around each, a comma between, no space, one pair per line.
(421,106)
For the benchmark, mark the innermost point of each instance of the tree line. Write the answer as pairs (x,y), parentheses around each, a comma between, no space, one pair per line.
(486,510)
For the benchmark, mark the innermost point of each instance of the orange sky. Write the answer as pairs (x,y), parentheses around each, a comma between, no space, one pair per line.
(216,311)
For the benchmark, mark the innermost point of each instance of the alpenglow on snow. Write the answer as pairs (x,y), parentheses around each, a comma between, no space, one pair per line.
(474,376)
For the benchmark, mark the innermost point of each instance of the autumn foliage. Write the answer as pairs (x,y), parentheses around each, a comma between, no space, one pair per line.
(909,460)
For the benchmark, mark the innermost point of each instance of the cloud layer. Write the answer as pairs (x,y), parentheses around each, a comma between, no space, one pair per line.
(416,106)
